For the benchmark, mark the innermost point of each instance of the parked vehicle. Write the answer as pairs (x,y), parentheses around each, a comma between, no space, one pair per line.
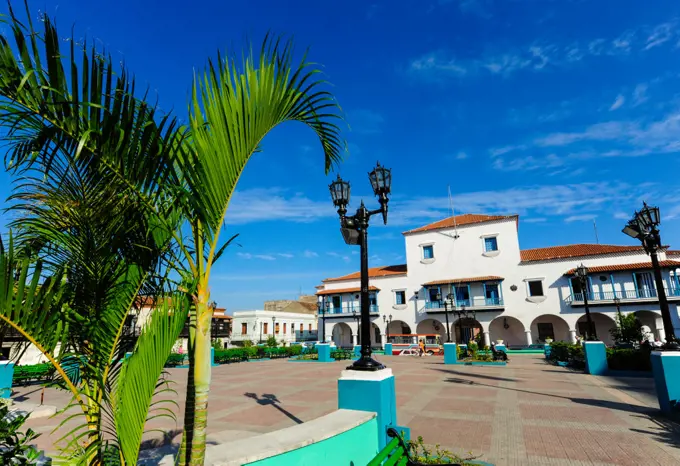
(400,342)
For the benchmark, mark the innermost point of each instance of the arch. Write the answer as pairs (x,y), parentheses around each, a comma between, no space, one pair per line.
(464,330)
(432,326)
(376,336)
(651,323)
(509,329)
(549,323)
(603,324)
(398,327)
(342,335)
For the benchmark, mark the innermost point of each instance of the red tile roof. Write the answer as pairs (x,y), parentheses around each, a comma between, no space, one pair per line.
(373,273)
(673,253)
(488,278)
(345,290)
(461,220)
(621,267)
(574,250)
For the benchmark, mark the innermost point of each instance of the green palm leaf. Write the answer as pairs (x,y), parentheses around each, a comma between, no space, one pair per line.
(139,378)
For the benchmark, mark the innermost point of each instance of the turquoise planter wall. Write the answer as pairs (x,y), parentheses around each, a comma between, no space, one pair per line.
(596,357)
(356,446)
(388,349)
(357,351)
(450,355)
(324,350)
(6,374)
(666,370)
(376,393)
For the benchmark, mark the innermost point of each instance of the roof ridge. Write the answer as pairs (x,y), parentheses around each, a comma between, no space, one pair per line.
(479,218)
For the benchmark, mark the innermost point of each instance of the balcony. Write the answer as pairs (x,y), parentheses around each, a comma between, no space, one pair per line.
(348,309)
(479,303)
(624,296)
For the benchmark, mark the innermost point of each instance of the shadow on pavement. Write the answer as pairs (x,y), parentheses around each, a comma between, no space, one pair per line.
(269,399)
(479,376)
(666,431)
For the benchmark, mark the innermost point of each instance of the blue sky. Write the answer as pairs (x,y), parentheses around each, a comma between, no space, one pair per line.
(562,111)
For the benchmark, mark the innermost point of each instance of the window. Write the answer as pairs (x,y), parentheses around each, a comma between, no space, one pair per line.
(244,328)
(490,244)
(536,288)
(276,329)
(545,331)
(301,330)
(428,251)
(310,327)
(284,328)
(578,291)
(337,303)
(266,328)
(462,295)
(432,294)
(400,297)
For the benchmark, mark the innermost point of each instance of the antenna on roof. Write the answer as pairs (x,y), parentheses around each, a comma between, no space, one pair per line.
(597,240)
(453,214)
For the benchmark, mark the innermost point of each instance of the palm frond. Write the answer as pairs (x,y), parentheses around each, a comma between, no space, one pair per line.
(138,381)
(234,107)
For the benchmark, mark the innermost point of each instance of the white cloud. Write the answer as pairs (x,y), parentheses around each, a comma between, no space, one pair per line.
(504,150)
(538,56)
(640,94)
(622,216)
(244,255)
(275,204)
(310,254)
(580,218)
(620,100)
(285,255)
(264,257)
(535,219)
(661,34)
(461,156)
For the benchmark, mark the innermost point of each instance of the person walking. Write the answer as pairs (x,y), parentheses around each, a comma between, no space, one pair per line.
(421,345)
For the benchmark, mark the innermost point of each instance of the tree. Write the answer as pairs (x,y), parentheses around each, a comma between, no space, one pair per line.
(628,329)
(233,107)
(79,226)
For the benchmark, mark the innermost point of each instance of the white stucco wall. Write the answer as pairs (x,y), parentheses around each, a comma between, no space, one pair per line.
(255,322)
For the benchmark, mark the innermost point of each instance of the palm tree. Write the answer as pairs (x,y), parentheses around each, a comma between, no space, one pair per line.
(70,138)
(233,107)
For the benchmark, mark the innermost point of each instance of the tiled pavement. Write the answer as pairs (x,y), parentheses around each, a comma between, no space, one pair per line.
(528,413)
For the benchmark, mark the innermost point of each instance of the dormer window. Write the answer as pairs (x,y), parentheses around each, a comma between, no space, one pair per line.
(490,245)
(428,251)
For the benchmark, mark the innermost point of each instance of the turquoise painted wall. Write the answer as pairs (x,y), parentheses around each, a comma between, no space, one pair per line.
(356,446)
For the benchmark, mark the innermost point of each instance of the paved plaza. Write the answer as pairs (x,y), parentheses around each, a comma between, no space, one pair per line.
(528,413)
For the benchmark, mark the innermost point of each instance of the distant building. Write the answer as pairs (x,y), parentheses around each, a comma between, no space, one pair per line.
(258,325)
(304,304)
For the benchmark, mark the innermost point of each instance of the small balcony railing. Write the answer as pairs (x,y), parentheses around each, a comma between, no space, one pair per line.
(624,294)
(477,302)
(349,309)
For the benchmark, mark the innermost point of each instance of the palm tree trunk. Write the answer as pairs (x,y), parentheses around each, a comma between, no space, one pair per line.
(188,434)
(202,374)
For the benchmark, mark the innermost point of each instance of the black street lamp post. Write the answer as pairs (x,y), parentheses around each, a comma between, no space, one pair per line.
(387,321)
(354,231)
(274,326)
(449,301)
(617,303)
(644,226)
(582,275)
(260,340)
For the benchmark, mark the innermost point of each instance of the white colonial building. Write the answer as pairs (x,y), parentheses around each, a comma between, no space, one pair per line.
(519,296)
(257,326)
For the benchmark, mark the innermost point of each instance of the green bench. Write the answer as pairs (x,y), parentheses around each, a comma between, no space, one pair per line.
(395,453)
(23,375)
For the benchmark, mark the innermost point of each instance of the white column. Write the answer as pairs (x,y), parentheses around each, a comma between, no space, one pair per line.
(355,339)
(661,334)
(572,336)
(487,339)
(383,339)
(528,334)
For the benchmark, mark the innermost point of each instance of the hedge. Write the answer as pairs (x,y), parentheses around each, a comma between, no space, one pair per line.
(255,352)
(567,352)
(629,359)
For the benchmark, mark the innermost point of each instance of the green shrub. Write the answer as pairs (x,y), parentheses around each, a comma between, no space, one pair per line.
(425,454)
(628,359)
(295,350)
(628,329)
(15,445)
(217,344)
(271,342)
(230,355)
(567,352)
(247,343)
(175,359)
